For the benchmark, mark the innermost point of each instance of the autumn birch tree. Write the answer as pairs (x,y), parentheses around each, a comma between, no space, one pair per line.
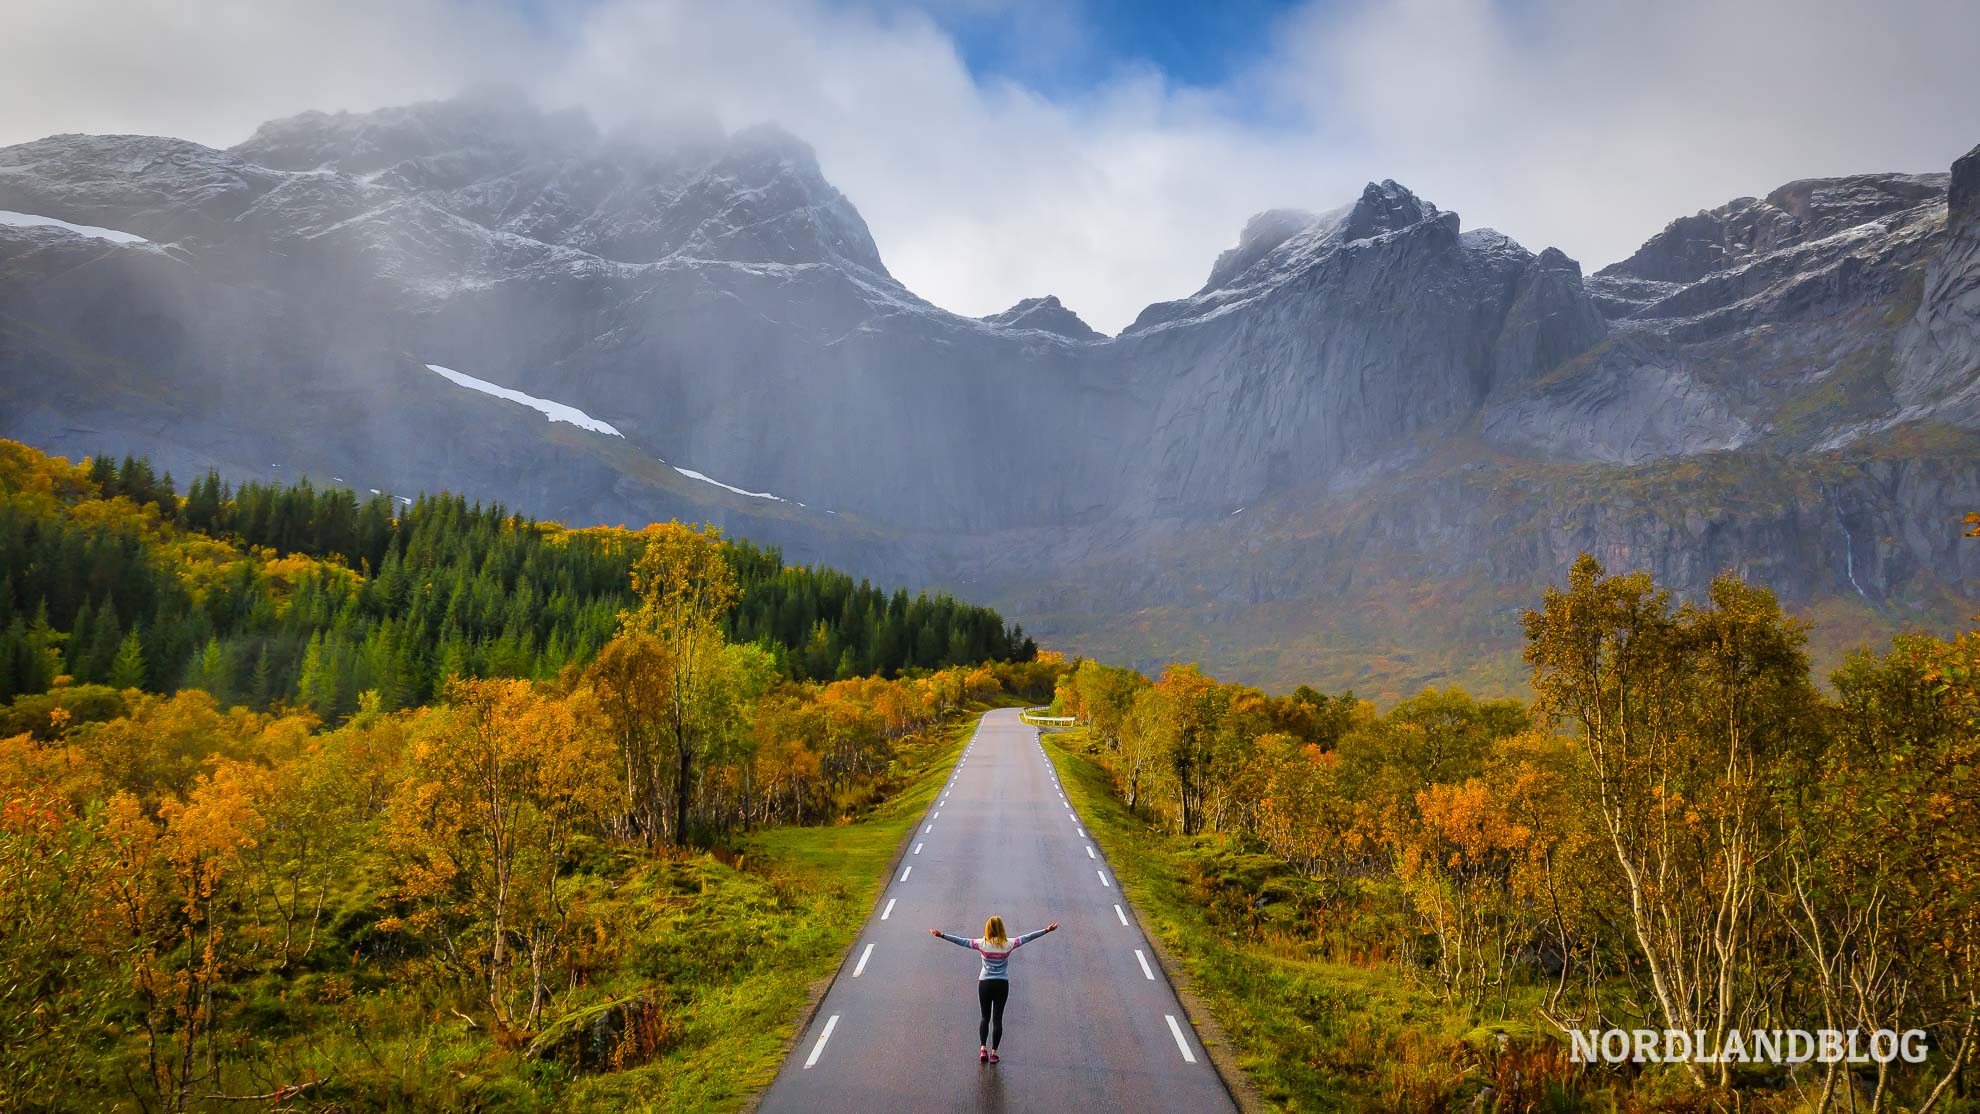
(500,781)
(686,587)
(1681,720)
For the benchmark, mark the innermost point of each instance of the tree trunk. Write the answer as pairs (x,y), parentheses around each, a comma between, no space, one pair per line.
(683,787)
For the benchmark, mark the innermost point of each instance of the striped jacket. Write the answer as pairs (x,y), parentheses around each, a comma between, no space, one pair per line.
(996,964)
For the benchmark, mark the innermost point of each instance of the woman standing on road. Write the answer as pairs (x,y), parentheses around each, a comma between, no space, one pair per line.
(993,983)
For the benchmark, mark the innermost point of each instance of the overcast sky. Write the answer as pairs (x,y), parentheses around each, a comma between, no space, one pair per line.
(1104,151)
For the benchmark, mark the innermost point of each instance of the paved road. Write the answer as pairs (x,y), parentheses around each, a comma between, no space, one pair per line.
(1092,1024)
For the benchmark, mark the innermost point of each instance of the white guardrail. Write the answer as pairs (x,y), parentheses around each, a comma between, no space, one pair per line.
(1032,716)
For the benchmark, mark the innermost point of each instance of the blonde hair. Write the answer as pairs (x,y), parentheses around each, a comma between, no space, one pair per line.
(993,931)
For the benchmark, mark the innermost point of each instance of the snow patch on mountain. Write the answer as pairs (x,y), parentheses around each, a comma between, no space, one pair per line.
(555,411)
(694,475)
(32,220)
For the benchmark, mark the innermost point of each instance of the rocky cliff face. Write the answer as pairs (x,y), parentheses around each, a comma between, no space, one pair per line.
(1369,403)
(1936,351)
(1320,343)
(1761,323)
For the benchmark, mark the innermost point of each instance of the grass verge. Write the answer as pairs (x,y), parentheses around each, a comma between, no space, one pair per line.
(1311,1035)
(746,942)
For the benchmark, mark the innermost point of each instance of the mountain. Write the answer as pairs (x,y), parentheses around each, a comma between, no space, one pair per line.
(1045,314)
(1349,458)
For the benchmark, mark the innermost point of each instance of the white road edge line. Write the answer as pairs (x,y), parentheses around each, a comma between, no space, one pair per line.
(1101,873)
(926,828)
(917,848)
(1117,913)
(889,910)
(1142,959)
(905,873)
(937,816)
(1173,1028)
(832,1022)
(868,954)
(1081,831)
(1089,852)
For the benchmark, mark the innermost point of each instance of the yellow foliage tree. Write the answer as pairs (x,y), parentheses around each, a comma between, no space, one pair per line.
(686,587)
(499,782)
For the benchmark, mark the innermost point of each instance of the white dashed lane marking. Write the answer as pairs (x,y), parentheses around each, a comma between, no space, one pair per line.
(1138,958)
(889,910)
(1180,1042)
(868,954)
(832,1023)
(1117,913)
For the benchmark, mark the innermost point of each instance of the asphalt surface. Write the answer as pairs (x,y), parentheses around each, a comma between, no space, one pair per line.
(1092,1024)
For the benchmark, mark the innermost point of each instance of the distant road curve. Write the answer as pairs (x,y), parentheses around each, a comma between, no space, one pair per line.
(1092,1025)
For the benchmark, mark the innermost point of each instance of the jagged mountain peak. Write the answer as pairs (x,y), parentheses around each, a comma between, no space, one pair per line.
(1808,209)
(1262,235)
(1278,245)
(1382,207)
(770,202)
(652,189)
(1828,205)
(495,118)
(1385,206)
(1046,314)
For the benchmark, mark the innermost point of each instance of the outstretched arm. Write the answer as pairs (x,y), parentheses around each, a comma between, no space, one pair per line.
(952,939)
(1030,936)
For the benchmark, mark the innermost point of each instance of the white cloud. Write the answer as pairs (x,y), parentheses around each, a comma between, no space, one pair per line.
(1589,125)
(1581,125)
(211,70)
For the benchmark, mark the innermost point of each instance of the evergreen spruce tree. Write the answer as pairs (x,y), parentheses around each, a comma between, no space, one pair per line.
(79,648)
(106,635)
(103,474)
(127,668)
(14,660)
(209,673)
(261,687)
(315,688)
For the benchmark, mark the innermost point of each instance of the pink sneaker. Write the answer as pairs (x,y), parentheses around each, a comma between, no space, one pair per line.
(993,1057)
(982,1054)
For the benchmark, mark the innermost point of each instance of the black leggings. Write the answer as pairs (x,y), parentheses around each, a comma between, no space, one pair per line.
(991,994)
